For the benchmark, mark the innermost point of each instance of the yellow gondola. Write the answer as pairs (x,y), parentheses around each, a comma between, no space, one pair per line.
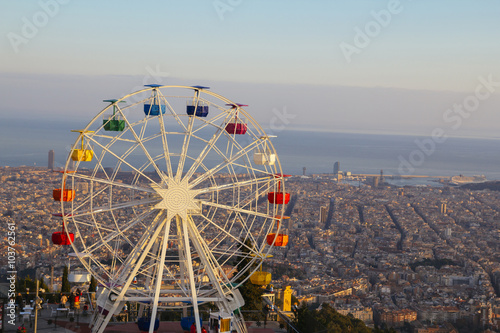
(261,278)
(82,155)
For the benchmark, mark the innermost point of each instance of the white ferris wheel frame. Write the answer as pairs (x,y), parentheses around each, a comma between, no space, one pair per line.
(172,201)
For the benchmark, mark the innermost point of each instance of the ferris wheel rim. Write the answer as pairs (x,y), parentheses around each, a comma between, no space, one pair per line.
(101,113)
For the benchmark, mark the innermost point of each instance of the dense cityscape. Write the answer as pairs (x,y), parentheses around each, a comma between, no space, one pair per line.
(419,255)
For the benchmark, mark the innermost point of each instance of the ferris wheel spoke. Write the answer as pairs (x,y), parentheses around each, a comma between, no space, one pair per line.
(113,139)
(210,263)
(115,229)
(89,199)
(185,146)
(199,160)
(235,209)
(166,152)
(221,166)
(246,228)
(236,185)
(113,183)
(142,248)
(112,207)
(174,114)
(210,145)
(138,139)
(159,275)
(131,270)
(251,170)
(113,232)
(212,122)
(236,251)
(122,159)
(224,231)
(192,285)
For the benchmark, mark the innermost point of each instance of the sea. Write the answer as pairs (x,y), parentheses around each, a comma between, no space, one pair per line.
(27,142)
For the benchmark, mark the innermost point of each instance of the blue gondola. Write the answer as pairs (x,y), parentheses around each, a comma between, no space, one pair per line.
(201,110)
(154,109)
(187,322)
(144,322)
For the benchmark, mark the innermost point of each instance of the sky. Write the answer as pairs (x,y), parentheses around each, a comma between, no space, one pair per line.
(394,67)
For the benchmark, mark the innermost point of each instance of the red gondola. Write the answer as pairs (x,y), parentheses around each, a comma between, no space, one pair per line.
(278,198)
(63,238)
(236,127)
(63,194)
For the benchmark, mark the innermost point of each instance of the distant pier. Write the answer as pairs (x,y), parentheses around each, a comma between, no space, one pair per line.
(397,176)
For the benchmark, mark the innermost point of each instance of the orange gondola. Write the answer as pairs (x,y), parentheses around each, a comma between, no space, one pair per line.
(274,239)
(63,194)
(278,239)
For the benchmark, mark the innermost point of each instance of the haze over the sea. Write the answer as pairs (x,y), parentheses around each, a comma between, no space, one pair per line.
(393,67)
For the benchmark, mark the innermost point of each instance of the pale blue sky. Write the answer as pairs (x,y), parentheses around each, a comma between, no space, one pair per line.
(429,56)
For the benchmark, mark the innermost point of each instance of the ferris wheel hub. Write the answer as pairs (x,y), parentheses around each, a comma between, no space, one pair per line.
(177,198)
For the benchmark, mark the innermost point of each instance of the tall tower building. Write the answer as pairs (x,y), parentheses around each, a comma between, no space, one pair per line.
(287,299)
(336,168)
(323,214)
(304,171)
(51,160)
(443,208)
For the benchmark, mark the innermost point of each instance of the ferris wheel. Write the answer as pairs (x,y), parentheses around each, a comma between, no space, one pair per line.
(172,196)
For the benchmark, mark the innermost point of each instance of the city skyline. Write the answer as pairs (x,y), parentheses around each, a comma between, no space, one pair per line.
(430,254)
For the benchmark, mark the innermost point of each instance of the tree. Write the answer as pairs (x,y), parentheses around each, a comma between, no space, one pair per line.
(43,285)
(304,320)
(327,320)
(65,287)
(93,285)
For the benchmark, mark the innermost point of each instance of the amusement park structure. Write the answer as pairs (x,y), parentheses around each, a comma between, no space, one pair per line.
(171,197)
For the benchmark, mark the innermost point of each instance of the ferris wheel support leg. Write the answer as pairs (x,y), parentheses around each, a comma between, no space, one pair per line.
(191,276)
(131,275)
(159,275)
(182,257)
(142,307)
(210,270)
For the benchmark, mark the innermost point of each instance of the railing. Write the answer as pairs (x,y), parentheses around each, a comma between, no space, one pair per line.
(281,314)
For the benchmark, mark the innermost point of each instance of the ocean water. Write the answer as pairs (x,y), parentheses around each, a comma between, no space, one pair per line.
(27,142)
(394,154)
